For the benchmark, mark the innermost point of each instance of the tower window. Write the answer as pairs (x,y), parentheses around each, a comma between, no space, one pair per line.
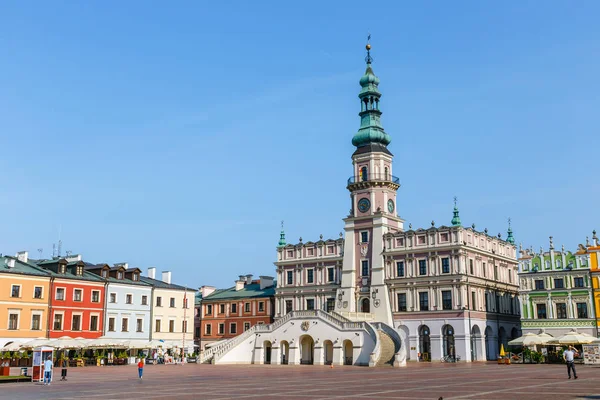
(364,237)
(365,268)
(363,174)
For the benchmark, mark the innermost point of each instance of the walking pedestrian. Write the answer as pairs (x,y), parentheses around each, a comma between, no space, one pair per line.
(141,368)
(155,357)
(569,356)
(48,370)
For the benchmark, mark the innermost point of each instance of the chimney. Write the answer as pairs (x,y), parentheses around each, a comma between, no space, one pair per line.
(265,282)
(22,256)
(152,272)
(124,265)
(248,279)
(166,277)
(10,262)
(206,290)
(239,285)
(73,258)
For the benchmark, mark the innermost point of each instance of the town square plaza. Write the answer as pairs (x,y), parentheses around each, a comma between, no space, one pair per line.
(220,382)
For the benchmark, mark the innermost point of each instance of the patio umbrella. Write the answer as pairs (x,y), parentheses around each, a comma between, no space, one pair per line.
(109,343)
(66,342)
(155,343)
(545,338)
(41,341)
(573,337)
(13,346)
(136,344)
(528,339)
(502,353)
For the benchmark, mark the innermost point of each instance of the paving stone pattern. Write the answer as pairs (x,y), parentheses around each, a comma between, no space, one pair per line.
(220,382)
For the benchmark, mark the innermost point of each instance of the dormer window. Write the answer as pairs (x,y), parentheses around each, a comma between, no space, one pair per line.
(63,269)
(135,277)
(79,271)
(104,273)
(119,275)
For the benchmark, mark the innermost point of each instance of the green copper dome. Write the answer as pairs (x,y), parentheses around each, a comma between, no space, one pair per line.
(455,218)
(370,130)
(510,238)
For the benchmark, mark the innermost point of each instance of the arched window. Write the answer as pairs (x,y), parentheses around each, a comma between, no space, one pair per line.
(363,174)
(387,173)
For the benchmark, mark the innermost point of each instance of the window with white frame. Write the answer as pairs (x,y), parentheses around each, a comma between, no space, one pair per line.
(94,323)
(310,275)
(38,292)
(113,297)
(233,328)
(78,295)
(36,322)
(76,322)
(261,306)
(58,322)
(111,324)
(208,329)
(15,291)
(129,299)
(139,325)
(246,326)
(364,237)
(95,296)
(13,320)
(221,329)
(60,294)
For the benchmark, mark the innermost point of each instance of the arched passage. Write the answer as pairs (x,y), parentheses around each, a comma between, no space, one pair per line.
(348,349)
(267,352)
(476,343)
(328,352)
(366,305)
(425,343)
(448,348)
(307,350)
(502,338)
(490,346)
(284,346)
(514,333)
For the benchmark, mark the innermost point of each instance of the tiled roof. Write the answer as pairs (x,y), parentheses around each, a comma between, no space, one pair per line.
(162,285)
(21,268)
(87,276)
(249,291)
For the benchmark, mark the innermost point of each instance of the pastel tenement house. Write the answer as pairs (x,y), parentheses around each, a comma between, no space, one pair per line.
(556,291)
(172,310)
(594,252)
(227,313)
(128,301)
(76,298)
(24,294)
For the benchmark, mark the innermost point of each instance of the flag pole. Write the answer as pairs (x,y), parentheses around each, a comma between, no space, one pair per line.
(184,325)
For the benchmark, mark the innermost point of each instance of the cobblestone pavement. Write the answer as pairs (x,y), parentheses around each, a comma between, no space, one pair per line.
(220,382)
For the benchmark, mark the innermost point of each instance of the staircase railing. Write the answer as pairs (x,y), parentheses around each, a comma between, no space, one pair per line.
(391,333)
(376,353)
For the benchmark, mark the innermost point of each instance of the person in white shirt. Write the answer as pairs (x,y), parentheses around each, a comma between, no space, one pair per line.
(569,356)
(48,370)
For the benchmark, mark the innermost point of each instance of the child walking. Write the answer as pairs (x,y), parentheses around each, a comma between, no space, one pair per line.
(141,367)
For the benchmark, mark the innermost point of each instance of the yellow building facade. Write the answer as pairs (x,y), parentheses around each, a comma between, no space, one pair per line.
(24,295)
(594,252)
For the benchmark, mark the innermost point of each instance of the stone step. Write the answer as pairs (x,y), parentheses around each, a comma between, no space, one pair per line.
(388,349)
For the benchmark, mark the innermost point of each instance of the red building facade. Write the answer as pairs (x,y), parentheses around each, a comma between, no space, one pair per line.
(76,301)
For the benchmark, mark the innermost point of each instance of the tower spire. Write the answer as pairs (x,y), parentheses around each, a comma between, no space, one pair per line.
(510,239)
(370,132)
(456,218)
(281,237)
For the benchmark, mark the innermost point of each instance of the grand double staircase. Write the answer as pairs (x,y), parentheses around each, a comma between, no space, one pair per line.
(388,344)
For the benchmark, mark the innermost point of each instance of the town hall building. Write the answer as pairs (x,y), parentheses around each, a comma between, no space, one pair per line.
(382,294)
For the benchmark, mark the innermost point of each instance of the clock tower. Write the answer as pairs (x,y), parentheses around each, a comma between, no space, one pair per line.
(373,211)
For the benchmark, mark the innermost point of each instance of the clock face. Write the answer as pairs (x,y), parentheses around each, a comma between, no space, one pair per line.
(364,204)
(391,206)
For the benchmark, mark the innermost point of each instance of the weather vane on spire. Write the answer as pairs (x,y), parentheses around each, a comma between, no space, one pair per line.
(509,222)
(368,58)
(281,224)
(455,200)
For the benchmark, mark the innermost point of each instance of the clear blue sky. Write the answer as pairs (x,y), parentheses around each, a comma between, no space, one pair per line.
(179,136)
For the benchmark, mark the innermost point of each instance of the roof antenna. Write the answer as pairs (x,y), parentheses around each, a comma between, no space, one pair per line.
(40,250)
(59,240)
